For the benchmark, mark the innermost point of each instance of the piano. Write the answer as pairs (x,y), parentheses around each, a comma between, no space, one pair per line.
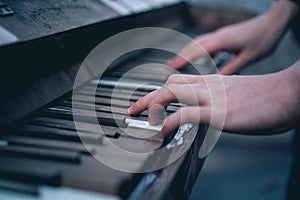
(49,138)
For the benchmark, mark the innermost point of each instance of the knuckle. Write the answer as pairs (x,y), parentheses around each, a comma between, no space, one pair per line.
(172,78)
(141,101)
(166,89)
(152,105)
(201,84)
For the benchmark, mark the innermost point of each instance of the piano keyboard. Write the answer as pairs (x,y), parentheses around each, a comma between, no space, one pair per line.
(44,151)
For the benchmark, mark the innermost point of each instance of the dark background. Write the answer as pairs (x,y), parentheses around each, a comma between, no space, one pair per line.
(250,167)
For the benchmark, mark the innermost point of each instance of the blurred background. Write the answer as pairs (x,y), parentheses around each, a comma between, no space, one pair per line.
(239,167)
(250,167)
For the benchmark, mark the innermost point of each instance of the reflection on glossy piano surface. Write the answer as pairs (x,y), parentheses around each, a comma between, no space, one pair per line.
(42,44)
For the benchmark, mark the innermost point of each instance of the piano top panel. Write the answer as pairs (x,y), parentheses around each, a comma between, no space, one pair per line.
(31,69)
(33,18)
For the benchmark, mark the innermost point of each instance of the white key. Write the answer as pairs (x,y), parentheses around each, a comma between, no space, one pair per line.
(142,124)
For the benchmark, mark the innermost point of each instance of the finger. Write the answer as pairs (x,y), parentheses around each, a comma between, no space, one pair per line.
(162,96)
(157,114)
(191,94)
(185,115)
(185,94)
(203,45)
(234,65)
(184,79)
(142,103)
(186,55)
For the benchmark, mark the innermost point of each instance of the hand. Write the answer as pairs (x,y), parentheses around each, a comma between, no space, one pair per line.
(249,40)
(264,103)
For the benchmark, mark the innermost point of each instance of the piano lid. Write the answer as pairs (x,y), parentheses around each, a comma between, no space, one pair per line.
(46,40)
(31,19)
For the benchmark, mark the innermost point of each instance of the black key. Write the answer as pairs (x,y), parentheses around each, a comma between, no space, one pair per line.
(115,103)
(87,128)
(50,144)
(104,118)
(146,59)
(103,89)
(85,116)
(54,123)
(161,78)
(116,95)
(108,108)
(39,153)
(54,133)
(120,91)
(14,186)
(109,90)
(101,108)
(32,174)
(102,101)
(110,82)
(156,56)
(88,106)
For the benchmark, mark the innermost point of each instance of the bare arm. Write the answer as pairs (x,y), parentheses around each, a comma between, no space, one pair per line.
(263,103)
(249,40)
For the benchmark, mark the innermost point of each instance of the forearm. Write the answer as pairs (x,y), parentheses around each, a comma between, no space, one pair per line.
(281,13)
(291,79)
(293,73)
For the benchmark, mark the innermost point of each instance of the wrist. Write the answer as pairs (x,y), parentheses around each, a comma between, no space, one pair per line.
(293,76)
(297,2)
(296,73)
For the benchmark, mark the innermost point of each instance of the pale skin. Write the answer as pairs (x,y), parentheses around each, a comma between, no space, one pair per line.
(259,104)
(249,40)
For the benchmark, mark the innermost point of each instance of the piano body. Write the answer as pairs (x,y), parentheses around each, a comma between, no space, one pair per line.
(42,45)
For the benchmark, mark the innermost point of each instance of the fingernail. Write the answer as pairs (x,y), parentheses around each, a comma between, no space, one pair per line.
(151,122)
